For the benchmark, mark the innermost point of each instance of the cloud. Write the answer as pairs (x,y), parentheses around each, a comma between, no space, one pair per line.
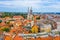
(20,3)
(40,5)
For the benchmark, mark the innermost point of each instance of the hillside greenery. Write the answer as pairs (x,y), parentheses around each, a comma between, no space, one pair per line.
(11,14)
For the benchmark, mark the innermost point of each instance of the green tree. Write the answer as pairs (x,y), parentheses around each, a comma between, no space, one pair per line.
(6,29)
(0,21)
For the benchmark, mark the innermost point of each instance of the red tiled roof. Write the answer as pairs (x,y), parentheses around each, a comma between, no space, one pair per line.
(17,16)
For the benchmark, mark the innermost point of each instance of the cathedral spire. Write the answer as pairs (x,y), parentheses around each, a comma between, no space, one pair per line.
(29,16)
(30,10)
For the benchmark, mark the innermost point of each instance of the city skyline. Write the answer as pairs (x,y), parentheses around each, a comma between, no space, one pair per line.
(37,5)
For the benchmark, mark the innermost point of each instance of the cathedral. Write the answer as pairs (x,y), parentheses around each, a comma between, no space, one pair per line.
(30,15)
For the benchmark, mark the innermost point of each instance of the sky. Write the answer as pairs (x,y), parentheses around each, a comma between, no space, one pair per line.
(22,5)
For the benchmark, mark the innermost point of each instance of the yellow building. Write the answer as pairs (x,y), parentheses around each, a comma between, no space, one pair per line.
(34,29)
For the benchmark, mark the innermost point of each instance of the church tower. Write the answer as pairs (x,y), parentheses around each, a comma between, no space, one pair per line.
(30,15)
